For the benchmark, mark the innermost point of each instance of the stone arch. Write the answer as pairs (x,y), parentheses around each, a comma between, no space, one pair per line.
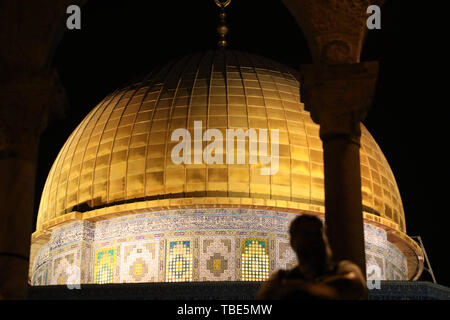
(335,29)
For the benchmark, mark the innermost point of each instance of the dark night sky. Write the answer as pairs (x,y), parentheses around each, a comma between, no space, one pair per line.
(122,39)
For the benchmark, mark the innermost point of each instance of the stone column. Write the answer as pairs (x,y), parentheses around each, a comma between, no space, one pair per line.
(338,97)
(25,101)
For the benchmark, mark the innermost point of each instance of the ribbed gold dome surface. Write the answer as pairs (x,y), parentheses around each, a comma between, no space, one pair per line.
(121,152)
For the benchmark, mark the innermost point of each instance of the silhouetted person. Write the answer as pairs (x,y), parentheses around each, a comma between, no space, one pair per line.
(317,276)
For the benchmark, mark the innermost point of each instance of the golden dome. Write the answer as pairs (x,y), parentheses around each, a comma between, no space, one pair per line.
(121,152)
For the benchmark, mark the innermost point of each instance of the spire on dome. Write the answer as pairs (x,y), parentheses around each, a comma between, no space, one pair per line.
(222,29)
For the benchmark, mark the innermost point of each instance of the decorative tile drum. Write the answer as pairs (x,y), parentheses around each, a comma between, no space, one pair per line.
(190,245)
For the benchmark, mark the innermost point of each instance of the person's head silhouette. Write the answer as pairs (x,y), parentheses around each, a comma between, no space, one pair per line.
(316,276)
(310,243)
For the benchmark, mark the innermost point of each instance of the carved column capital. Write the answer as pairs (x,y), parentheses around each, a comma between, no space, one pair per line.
(27,101)
(338,96)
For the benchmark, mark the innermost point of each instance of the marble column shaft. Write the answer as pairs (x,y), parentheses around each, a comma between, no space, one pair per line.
(338,97)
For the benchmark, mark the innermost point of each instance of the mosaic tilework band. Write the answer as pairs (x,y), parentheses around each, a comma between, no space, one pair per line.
(205,245)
